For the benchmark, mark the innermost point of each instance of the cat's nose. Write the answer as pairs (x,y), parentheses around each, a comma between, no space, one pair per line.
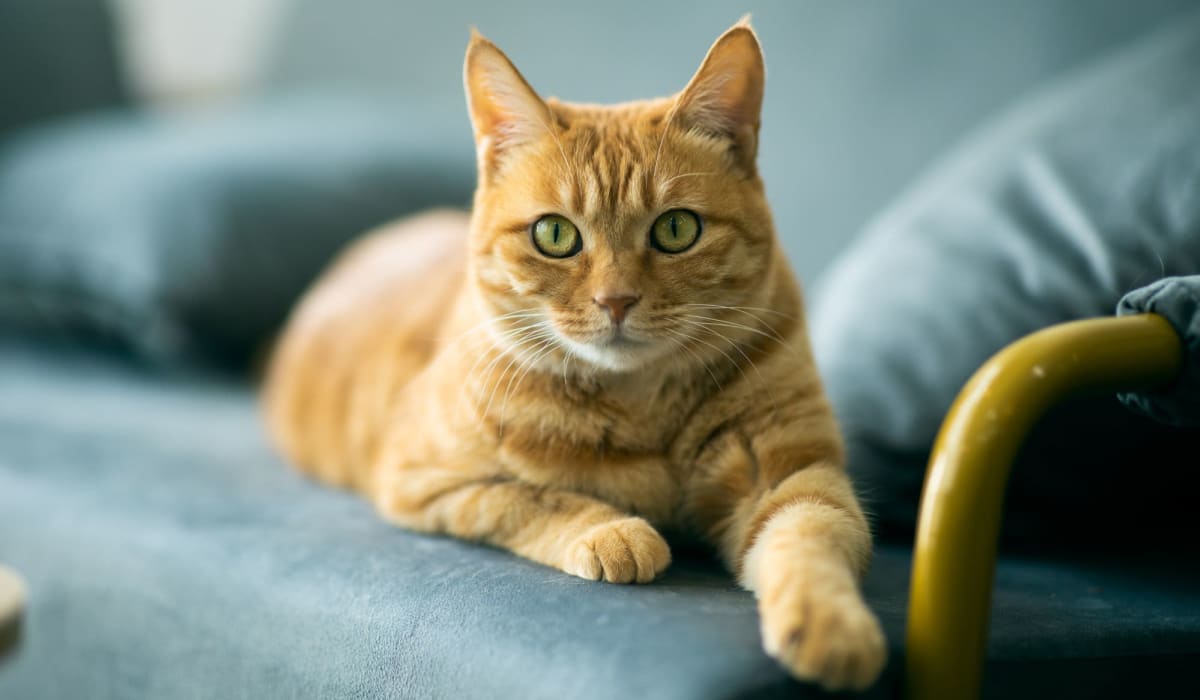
(616,305)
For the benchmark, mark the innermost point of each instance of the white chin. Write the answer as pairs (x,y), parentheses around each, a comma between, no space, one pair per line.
(615,358)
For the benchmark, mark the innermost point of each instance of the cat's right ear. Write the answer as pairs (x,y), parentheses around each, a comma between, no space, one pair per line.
(505,110)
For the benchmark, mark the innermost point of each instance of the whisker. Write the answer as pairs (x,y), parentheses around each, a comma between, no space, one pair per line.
(741,326)
(519,314)
(462,396)
(761,379)
(687,338)
(487,409)
(682,368)
(658,151)
(570,172)
(673,178)
(516,336)
(568,355)
(744,309)
(723,353)
(523,371)
(545,336)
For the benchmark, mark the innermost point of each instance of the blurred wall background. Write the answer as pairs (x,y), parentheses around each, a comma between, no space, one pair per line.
(861,95)
(182,52)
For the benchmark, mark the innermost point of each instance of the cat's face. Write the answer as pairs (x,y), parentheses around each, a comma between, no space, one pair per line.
(624,234)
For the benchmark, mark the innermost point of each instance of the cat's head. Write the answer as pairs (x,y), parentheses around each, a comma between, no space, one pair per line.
(621,234)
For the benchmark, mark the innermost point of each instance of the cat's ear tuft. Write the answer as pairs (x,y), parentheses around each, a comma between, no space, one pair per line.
(724,97)
(505,110)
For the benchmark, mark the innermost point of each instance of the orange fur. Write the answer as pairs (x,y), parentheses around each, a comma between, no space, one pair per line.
(468,384)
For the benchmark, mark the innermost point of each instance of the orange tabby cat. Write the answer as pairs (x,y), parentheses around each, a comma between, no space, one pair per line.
(612,343)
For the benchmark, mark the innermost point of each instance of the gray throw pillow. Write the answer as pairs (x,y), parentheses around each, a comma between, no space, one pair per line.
(1083,192)
(191,237)
(57,57)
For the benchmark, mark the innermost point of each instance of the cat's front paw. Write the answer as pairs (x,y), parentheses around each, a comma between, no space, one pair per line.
(618,551)
(832,640)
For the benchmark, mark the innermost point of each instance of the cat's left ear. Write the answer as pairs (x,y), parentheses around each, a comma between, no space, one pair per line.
(505,110)
(724,98)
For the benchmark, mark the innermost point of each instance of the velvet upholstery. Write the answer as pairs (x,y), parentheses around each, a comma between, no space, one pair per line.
(170,553)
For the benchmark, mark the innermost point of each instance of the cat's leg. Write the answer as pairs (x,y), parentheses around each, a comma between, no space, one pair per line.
(800,542)
(569,531)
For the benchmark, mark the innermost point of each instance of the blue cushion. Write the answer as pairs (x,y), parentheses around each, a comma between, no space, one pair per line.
(192,236)
(170,553)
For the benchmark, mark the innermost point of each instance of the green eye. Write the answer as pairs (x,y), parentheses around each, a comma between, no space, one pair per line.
(556,237)
(675,231)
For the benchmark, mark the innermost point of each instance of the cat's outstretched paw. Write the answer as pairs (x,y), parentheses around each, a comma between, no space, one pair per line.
(834,640)
(619,551)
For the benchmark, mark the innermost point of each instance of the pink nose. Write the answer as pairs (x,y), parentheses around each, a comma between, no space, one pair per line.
(616,306)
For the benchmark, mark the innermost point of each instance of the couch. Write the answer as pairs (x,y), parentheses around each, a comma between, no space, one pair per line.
(169,551)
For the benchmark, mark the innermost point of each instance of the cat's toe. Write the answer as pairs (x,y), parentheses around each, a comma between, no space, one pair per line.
(621,551)
(835,642)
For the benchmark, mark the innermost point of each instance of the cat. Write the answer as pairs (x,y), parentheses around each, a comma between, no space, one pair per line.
(611,344)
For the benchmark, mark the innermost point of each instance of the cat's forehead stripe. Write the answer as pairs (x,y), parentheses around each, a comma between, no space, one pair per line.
(611,167)
(591,193)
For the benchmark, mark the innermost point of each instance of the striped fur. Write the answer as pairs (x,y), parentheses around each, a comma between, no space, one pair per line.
(464,382)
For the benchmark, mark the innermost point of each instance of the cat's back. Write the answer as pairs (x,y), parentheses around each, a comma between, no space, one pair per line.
(368,326)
